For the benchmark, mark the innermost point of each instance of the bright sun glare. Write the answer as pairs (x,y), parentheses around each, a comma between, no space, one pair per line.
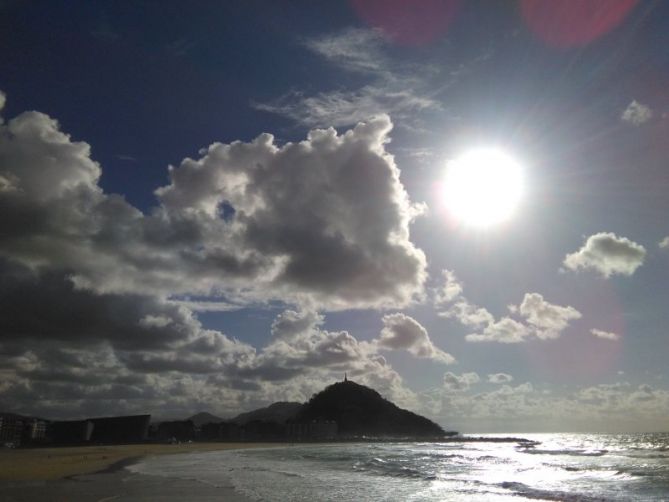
(483,187)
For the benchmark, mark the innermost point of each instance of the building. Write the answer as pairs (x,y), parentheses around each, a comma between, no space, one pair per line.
(178,430)
(124,429)
(106,430)
(11,429)
(70,431)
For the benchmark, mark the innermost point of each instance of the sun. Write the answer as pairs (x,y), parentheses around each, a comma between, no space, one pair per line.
(483,187)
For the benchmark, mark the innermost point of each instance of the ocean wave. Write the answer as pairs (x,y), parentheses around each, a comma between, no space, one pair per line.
(570,452)
(539,494)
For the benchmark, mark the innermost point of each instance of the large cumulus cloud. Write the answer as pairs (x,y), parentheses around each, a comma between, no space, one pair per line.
(97,298)
(328,215)
(325,220)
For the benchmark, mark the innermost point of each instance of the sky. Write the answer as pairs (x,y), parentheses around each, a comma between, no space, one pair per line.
(219,205)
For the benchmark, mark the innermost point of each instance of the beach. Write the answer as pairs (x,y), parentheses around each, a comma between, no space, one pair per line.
(97,473)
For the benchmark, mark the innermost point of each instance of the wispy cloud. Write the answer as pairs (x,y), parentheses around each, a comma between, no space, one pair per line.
(606,335)
(395,87)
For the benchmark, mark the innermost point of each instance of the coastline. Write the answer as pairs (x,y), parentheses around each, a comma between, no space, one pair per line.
(97,473)
(50,464)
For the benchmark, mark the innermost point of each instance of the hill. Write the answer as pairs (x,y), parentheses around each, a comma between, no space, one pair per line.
(359,410)
(278,412)
(200,419)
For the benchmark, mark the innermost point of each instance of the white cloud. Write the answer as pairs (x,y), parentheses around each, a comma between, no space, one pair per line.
(506,330)
(499,378)
(449,297)
(636,113)
(524,407)
(403,332)
(392,88)
(342,108)
(541,319)
(547,319)
(606,335)
(664,243)
(459,383)
(451,289)
(607,254)
(353,49)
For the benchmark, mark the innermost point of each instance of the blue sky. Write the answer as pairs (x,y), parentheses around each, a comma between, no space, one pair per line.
(214,207)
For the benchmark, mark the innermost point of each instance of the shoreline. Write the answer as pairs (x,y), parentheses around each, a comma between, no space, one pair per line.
(53,463)
(67,462)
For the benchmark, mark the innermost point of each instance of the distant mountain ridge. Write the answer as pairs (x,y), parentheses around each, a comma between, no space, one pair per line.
(202,418)
(278,412)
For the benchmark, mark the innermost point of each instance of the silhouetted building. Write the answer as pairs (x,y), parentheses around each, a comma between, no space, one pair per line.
(178,430)
(70,431)
(125,429)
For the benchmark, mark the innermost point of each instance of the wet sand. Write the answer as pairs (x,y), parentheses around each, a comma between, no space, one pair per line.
(43,464)
(97,473)
(122,485)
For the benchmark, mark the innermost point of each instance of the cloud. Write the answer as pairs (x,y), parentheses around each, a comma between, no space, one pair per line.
(3,99)
(325,220)
(328,216)
(353,49)
(540,319)
(451,289)
(607,407)
(547,319)
(506,330)
(636,113)
(392,87)
(453,304)
(499,378)
(607,254)
(459,383)
(606,335)
(664,243)
(403,332)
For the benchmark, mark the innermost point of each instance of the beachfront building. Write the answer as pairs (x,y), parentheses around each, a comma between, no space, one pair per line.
(17,430)
(176,431)
(11,429)
(124,429)
(106,430)
(70,431)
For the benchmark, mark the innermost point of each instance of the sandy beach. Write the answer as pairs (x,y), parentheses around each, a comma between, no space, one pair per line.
(96,473)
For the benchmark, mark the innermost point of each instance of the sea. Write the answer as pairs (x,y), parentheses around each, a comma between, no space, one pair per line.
(564,467)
